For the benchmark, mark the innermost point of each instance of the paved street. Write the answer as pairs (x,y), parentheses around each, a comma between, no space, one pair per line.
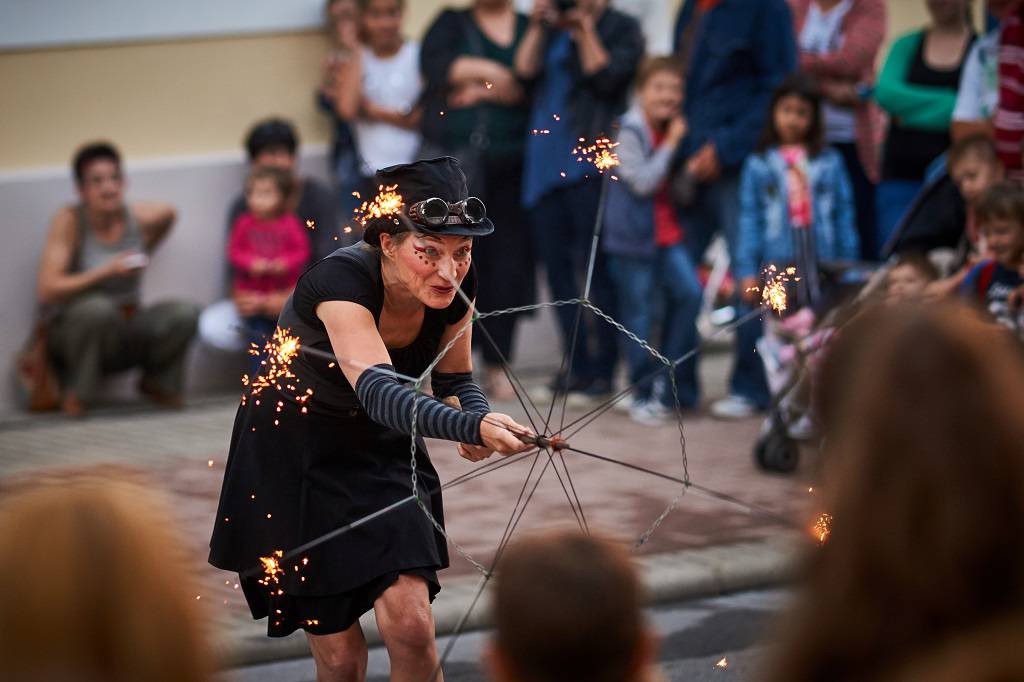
(181,455)
(695,636)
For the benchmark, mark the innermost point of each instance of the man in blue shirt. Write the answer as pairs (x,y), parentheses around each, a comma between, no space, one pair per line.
(736,52)
(583,59)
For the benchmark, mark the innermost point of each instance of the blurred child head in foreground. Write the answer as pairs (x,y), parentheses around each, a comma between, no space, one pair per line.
(567,606)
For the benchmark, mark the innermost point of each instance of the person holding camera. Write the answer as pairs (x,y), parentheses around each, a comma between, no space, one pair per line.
(583,56)
(89,286)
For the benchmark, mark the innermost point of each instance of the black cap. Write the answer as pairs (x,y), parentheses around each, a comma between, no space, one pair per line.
(442,178)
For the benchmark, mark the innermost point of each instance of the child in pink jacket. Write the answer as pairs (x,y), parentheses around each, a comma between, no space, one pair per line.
(268,249)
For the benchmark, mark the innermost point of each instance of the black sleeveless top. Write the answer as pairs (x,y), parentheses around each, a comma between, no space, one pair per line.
(909,151)
(353,274)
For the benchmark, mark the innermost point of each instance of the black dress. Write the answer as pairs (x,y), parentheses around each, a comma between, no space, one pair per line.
(293,476)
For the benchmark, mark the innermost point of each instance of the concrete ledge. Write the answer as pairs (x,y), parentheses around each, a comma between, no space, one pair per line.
(670,576)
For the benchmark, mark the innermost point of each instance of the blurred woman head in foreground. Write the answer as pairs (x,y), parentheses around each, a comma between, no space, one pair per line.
(95,588)
(924,415)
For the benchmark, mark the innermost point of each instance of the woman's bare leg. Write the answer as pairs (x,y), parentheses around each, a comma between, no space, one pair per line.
(406,625)
(340,657)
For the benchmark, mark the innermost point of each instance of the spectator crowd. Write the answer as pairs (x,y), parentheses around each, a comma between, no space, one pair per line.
(765,131)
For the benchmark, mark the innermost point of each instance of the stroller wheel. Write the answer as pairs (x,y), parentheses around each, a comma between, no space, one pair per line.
(776,451)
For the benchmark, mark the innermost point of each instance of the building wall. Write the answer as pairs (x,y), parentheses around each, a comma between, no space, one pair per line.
(164,98)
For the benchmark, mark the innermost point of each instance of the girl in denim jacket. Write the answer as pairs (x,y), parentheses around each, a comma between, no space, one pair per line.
(796,204)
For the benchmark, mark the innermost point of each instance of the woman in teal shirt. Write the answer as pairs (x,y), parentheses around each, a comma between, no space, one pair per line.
(476,110)
(918,87)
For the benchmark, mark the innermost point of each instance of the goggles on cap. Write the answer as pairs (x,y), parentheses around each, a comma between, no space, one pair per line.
(436,211)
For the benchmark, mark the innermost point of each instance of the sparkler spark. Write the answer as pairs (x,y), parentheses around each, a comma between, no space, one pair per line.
(271,567)
(388,202)
(822,528)
(773,292)
(601,153)
(723,664)
(279,350)
(311,224)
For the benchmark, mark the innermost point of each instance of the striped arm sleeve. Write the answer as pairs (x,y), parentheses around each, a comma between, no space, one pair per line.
(388,402)
(463,387)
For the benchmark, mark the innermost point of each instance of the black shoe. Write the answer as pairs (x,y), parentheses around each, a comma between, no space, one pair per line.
(572,384)
(598,389)
(562,388)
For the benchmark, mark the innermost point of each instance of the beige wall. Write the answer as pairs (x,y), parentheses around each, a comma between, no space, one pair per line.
(162,98)
(185,97)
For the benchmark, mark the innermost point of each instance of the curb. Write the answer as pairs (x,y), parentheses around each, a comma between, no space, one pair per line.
(668,576)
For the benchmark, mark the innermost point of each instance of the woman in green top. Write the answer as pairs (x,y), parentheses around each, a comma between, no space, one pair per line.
(918,87)
(476,110)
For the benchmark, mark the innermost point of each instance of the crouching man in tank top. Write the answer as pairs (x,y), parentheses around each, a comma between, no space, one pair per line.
(89,277)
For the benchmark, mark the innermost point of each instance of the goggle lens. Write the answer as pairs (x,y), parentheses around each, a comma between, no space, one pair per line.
(473,210)
(434,211)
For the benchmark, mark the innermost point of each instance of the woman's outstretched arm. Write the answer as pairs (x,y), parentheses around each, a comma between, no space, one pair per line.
(365,362)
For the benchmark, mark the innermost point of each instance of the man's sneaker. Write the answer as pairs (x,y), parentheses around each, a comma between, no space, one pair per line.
(650,413)
(733,407)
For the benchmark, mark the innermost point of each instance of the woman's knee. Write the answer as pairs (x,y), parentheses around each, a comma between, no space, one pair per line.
(340,656)
(182,317)
(412,628)
(404,616)
(341,667)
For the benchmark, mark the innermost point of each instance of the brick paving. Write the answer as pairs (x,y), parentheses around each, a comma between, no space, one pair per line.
(171,453)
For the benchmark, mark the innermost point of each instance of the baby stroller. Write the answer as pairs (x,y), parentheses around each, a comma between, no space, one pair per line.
(935,219)
(790,350)
(933,222)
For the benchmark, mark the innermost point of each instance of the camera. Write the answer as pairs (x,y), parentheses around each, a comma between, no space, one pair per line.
(564,6)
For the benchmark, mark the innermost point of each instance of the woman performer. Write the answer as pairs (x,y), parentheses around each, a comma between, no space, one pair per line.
(383,309)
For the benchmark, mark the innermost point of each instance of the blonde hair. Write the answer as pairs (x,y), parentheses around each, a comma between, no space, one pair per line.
(96,588)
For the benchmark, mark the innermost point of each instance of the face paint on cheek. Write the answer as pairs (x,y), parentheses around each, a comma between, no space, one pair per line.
(423,257)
